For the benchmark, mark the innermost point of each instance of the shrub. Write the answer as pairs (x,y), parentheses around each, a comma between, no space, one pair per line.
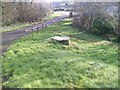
(97,20)
(30,11)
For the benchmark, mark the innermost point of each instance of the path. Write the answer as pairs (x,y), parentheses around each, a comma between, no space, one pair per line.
(10,36)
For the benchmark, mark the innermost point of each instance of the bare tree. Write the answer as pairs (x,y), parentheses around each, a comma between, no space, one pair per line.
(29,11)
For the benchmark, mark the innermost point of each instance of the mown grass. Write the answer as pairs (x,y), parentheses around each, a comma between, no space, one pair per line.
(37,62)
(22,25)
(14,27)
(51,16)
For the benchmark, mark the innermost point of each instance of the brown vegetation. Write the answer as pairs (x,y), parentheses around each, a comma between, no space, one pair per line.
(13,12)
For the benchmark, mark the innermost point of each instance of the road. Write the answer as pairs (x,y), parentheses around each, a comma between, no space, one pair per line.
(10,36)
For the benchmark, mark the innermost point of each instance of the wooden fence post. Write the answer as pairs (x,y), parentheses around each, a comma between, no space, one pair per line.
(37,29)
(32,31)
(42,25)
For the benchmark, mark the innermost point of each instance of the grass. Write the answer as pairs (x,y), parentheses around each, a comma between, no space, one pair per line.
(22,25)
(37,62)
(51,16)
(14,27)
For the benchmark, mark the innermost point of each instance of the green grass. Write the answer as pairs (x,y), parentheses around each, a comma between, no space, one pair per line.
(14,27)
(37,62)
(22,25)
(51,16)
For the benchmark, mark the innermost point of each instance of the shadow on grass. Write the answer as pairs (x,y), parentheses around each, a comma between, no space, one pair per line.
(87,37)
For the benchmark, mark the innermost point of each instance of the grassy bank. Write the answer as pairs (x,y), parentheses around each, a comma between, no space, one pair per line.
(37,62)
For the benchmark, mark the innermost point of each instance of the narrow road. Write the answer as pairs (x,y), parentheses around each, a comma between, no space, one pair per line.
(10,36)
